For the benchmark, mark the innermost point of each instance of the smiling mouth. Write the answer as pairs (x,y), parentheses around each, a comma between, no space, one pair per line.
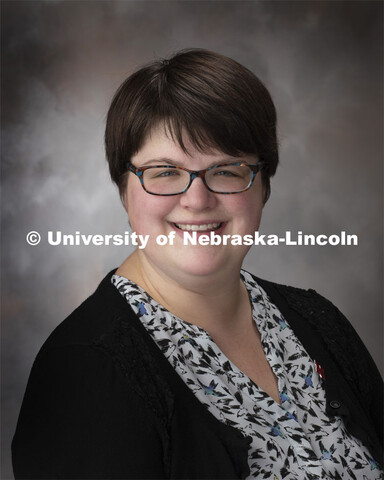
(206,227)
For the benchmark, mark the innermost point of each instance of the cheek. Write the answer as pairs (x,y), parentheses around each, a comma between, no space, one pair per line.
(145,210)
(246,210)
(247,204)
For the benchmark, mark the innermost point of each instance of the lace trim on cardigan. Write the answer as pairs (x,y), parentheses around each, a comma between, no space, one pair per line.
(129,351)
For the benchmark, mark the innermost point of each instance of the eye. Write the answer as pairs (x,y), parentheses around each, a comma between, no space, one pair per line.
(167,173)
(162,172)
(229,171)
(226,173)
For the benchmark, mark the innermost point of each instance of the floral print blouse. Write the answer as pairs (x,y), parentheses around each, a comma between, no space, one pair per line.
(294,440)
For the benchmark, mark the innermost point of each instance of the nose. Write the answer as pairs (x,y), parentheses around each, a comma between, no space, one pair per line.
(198,197)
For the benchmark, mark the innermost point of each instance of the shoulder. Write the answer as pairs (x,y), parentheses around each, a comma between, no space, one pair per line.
(314,318)
(315,311)
(97,316)
(104,333)
(78,349)
(305,302)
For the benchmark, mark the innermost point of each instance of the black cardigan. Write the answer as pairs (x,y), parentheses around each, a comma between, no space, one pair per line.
(103,402)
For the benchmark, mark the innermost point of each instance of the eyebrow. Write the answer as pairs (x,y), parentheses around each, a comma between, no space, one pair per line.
(169,161)
(160,161)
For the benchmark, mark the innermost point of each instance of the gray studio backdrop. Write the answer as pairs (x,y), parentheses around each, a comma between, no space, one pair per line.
(62,62)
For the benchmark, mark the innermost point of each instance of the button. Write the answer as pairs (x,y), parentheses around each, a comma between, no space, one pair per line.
(335,404)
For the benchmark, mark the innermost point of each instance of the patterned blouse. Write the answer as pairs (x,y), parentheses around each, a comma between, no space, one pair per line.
(294,440)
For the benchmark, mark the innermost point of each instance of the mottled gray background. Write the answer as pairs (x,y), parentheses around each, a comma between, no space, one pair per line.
(61,63)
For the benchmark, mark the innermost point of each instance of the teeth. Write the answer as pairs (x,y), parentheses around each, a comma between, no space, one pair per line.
(201,228)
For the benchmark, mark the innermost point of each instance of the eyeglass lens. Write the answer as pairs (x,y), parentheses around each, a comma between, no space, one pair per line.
(221,179)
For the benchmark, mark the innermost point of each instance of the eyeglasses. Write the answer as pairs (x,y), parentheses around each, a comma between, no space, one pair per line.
(227,178)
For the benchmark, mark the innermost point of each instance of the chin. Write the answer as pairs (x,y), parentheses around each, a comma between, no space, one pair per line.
(203,262)
(197,270)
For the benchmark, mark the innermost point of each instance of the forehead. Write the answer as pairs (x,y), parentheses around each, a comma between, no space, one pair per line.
(159,146)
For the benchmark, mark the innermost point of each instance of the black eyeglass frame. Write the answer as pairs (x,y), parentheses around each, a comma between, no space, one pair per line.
(139,172)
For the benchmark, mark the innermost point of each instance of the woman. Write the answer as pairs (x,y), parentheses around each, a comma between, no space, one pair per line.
(182,365)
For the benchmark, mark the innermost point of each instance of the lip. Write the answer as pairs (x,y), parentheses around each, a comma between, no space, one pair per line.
(198,222)
(180,232)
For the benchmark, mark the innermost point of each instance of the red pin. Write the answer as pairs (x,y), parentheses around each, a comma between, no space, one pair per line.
(320,370)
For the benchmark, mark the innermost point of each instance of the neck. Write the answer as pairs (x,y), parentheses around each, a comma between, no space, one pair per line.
(214,302)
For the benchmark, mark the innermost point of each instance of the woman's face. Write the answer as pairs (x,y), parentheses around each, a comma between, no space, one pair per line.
(153,215)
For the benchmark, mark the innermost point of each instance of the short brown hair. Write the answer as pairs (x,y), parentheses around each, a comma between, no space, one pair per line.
(216,101)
